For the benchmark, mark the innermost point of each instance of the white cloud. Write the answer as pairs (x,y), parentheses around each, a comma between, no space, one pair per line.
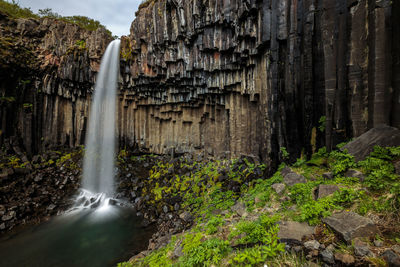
(116,15)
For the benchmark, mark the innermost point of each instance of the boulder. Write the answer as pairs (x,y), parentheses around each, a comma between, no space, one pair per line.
(344,258)
(391,258)
(327,175)
(312,245)
(355,174)
(361,248)
(294,232)
(279,188)
(239,208)
(396,248)
(327,256)
(350,225)
(291,178)
(325,190)
(363,145)
(186,216)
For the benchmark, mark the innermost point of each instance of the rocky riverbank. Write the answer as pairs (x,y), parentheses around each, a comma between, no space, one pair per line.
(31,191)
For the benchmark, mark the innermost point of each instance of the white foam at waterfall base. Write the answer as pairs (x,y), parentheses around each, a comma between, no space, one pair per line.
(98,162)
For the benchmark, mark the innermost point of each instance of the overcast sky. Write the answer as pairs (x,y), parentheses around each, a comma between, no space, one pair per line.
(116,15)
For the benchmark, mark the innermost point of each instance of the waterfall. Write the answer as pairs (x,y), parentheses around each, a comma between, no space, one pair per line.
(98,163)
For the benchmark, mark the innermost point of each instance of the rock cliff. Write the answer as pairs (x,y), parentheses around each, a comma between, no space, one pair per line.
(231,77)
(210,77)
(47,72)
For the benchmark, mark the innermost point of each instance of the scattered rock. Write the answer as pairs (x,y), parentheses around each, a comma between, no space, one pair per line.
(312,264)
(291,178)
(176,207)
(165,209)
(391,258)
(293,232)
(344,258)
(396,248)
(239,208)
(361,248)
(286,171)
(327,175)
(363,145)
(312,245)
(177,252)
(6,218)
(327,256)
(186,216)
(38,177)
(279,188)
(350,225)
(325,190)
(355,174)
(51,207)
(378,243)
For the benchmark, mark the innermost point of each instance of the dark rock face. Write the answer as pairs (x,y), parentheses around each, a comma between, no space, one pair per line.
(47,71)
(248,77)
(212,78)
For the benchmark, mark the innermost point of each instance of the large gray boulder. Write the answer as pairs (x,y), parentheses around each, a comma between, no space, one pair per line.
(350,225)
(363,145)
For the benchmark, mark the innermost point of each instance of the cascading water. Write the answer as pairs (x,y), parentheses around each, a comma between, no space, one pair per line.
(93,232)
(98,164)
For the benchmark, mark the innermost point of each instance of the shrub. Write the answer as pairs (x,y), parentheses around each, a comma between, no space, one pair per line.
(207,253)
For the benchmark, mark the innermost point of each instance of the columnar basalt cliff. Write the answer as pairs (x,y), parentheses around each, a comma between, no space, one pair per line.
(214,78)
(231,77)
(47,72)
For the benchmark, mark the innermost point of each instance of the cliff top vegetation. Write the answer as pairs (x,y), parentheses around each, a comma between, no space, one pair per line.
(14,10)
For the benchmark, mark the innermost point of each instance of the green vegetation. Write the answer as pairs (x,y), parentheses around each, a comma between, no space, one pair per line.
(14,10)
(322,123)
(218,239)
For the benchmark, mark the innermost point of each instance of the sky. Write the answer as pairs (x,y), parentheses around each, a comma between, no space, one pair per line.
(116,15)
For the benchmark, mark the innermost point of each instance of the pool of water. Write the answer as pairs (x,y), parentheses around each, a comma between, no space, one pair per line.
(100,237)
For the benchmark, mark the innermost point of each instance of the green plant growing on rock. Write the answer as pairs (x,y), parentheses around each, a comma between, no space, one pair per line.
(14,10)
(255,256)
(322,123)
(313,211)
(203,253)
(213,224)
(284,153)
(379,168)
(340,162)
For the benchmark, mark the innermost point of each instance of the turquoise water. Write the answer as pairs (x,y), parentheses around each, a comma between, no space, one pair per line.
(101,237)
